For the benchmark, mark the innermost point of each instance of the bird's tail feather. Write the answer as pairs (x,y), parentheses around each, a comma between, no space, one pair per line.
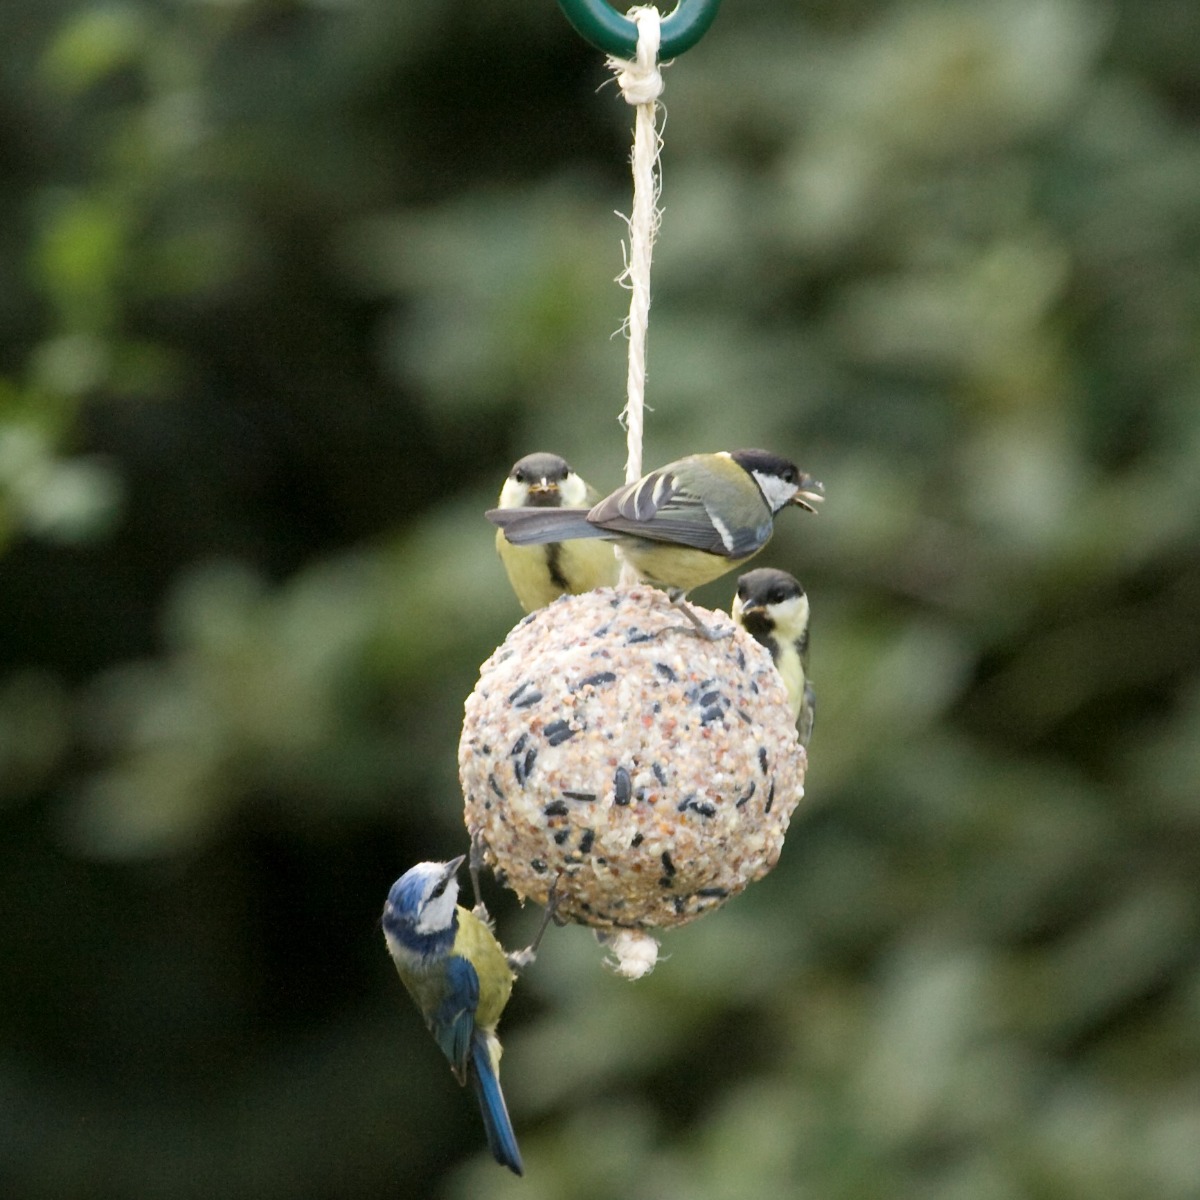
(532,526)
(502,1141)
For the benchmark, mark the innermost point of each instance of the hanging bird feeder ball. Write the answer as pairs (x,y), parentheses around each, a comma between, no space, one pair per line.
(652,773)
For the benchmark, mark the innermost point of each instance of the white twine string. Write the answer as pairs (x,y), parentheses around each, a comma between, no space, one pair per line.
(641,84)
(635,952)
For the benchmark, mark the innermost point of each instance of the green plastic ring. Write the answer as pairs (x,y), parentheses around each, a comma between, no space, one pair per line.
(608,30)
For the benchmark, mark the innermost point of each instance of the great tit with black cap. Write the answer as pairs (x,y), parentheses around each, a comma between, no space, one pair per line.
(541,573)
(772,608)
(682,525)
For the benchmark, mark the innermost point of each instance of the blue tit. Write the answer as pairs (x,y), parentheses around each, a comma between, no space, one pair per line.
(542,573)
(772,608)
(684,524)
(460,979)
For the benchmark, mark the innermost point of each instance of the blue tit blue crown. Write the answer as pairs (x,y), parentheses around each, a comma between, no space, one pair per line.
(421,909)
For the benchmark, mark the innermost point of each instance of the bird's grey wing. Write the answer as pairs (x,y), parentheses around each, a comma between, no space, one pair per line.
(808,715)
(533,526)
(662,508)
(641,500)
(453,1020)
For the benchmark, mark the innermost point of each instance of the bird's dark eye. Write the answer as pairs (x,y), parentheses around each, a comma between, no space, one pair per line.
(437,891)
(519,476)
(778,596)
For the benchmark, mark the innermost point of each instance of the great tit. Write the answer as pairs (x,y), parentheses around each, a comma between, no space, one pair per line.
(682,525)
(542,573)
(772,608)
(458,975)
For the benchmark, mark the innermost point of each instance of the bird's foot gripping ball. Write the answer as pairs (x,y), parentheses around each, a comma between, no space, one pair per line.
(649,771)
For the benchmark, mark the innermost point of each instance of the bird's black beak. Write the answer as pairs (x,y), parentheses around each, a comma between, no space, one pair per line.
(811,491)
(452,868)
(543,494)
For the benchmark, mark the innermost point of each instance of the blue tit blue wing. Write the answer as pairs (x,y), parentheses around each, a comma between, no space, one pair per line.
(452,1022)
(501,1139)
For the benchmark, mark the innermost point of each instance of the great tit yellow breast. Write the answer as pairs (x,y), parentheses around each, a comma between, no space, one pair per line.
(672,567)
(791,669)
(540,574)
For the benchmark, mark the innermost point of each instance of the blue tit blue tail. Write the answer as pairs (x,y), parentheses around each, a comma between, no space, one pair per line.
(501,1140)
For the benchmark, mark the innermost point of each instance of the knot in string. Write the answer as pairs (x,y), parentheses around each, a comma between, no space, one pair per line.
(639,79)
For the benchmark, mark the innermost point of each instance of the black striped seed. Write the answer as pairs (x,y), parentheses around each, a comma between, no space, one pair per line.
(660,774)
(762,758)
(622,787)
(587,840)
(523,767)
(584,797)
(637,840)
(600,677)
(668,865)
(665,671)
(770,798)
(524,696)
(558,732)
(749,792)
(495,786)
(556,808)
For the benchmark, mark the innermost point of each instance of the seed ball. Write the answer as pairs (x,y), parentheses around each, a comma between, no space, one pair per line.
(649,771)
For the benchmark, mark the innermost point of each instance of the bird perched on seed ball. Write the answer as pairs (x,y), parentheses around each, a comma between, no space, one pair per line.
(541,573)
(682,525)
(772,608)
(459,977)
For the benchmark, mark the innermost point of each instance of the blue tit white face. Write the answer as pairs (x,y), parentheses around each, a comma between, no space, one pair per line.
(543,481)
(426,895)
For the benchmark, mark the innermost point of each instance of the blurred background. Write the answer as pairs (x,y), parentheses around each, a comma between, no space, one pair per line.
(285,288)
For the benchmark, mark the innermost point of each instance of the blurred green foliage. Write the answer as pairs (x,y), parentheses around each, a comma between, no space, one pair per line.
(289,284)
